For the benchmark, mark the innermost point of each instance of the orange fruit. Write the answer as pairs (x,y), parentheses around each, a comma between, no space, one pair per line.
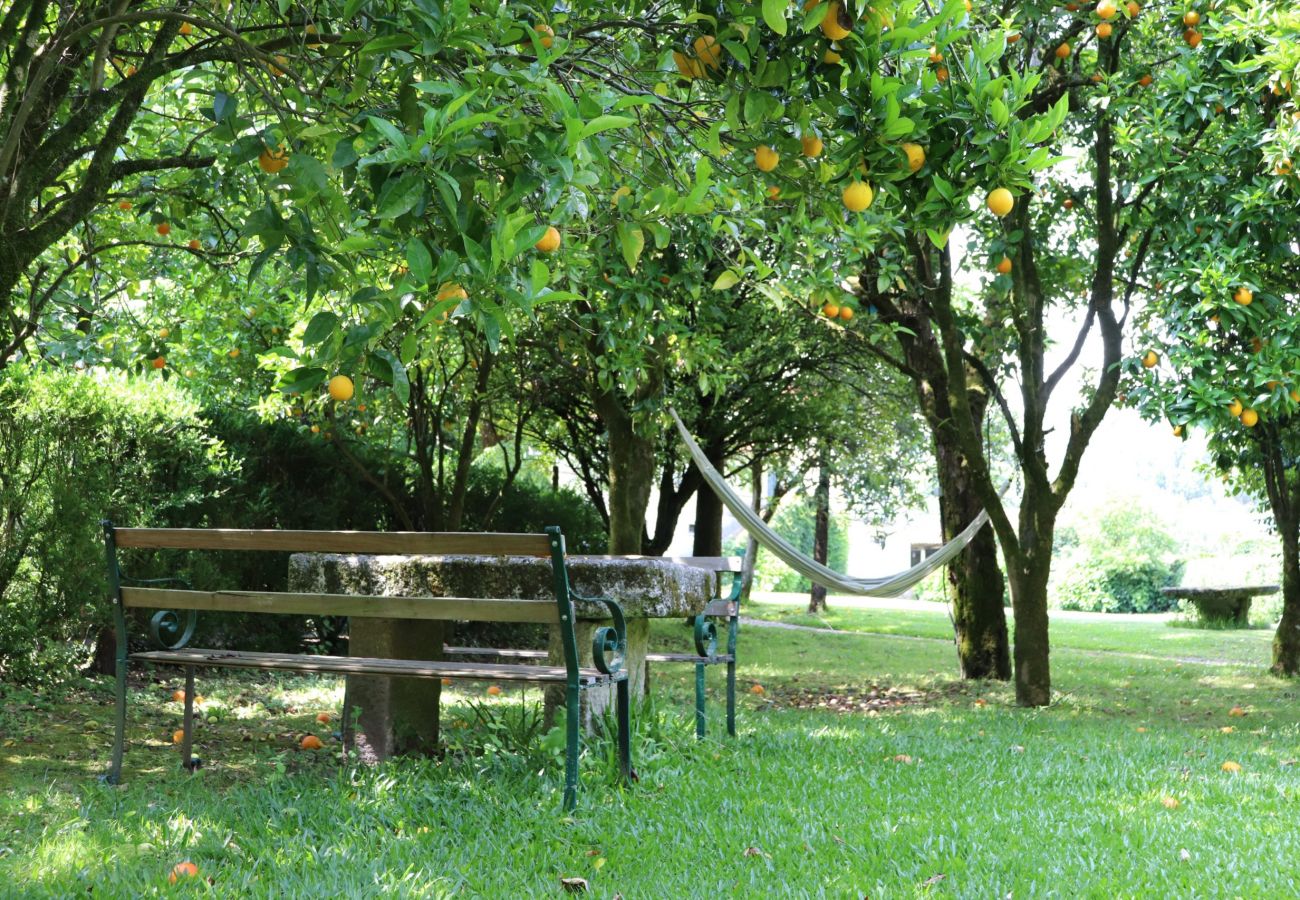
(1063,51)
(341,388)
(124,205)
(1150,359)
(1067,203)
(312,31)
(935,55)
(1244,295)
(323,718)
(1249,418)
(273,161)
(1134,8)
(766,158)
(158,363)
(315,429)
(833,24)
(1191,18)
(1145,80)
(178,735)
(1235,407)
(1104,29)
(310,742)
(446,682)
(1193,38)
(1169,802)
(686,67)
(277,69)
(941,74)
(1107,8)
(757,689)
(131,70)
(234,353)
(164,333)
(181,870)
(846,313)
(773,193)
(811,145)
(451,291)
(1295,396)
(186,28)
(178,696)
(1231,766)
(1000,201)
(1236,712)
(494,691)
(1178,431)
(830,58)
(830,310)
(857,196)
(708,50)
(194,244)
(549,242)
(198,699)
(1013,37)
(915,156)
(1004,266)
(546,36)
(164,229)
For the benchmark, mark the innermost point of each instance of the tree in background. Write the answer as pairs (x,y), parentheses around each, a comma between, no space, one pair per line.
(1219,350)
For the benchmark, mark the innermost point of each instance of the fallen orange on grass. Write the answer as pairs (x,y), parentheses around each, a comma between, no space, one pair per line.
(185,869)
(1237,712)
(758,689)
(1169,802)
(178,696)
(310,742)
(178,735)
(494,691)
(1231,766)
(323,718)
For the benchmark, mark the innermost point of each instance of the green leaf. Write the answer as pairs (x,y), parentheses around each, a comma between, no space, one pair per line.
(301,380)
(727,280)
(321,326)
(401,383)
(419,260)
(631,240)
(774,15)
(604,123)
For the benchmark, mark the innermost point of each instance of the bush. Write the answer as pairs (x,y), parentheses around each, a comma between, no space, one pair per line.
(1120,559)
(75,449)
(531,505)
(796,523)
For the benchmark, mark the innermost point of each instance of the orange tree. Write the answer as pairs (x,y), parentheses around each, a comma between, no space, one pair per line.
(1219,349)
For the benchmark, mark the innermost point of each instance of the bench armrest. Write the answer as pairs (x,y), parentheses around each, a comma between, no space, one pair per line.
(608,644)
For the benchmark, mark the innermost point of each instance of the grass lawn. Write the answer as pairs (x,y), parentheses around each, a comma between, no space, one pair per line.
(863,769)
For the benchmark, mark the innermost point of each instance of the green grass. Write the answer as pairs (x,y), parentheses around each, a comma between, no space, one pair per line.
(1162,635)
(1064,801)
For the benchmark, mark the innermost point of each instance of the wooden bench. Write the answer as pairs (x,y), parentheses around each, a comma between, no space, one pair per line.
(725,606)
(172,633)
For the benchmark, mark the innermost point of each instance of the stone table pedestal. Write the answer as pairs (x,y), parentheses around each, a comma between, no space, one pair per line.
(400,715)
(1225,605)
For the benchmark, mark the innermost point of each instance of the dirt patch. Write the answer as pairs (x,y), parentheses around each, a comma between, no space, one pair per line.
(870,699)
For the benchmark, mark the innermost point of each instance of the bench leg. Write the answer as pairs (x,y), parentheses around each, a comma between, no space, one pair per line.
(731,696)
(625,732)
(572,723)
(699,700)
(187,736)
(119,732)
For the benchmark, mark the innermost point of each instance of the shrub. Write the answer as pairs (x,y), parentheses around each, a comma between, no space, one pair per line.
(796,523)
(75,449)
(531,505)
(1120,559)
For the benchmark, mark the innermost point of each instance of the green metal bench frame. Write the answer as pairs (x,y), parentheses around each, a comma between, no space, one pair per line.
(705,626)
(172,633)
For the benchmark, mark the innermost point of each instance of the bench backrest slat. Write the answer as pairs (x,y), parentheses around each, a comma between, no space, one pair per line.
(711,563)
(389,542)
(439,608)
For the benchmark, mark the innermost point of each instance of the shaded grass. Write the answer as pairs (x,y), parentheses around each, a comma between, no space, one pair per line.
(1057,802)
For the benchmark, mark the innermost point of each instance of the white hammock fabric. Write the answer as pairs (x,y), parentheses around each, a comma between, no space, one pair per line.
(889,586)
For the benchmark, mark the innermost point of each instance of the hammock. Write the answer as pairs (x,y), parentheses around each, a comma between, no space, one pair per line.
(890,586)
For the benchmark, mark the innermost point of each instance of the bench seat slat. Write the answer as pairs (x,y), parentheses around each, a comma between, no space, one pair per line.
(437,608)
(365,665)
(381,542)
(511,653)
(687,657)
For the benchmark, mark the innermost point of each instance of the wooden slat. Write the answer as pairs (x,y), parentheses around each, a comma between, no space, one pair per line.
(391,542)
(502,652)
(365,665)
(720,608)
(440,608)
(688,658)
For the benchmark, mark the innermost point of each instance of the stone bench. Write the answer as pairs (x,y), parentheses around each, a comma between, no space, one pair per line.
(1226,605)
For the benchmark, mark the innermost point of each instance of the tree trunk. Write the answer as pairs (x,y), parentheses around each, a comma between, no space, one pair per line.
(974,577)
(631,475)
(708,511)
(1028,573)
(751,545)
(1286,640)
(821,528)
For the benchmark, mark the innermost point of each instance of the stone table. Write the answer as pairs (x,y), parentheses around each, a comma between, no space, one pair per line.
(1221,604)
(400,715)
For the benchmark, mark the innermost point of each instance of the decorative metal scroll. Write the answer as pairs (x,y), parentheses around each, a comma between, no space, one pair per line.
(169,629)
(706,636)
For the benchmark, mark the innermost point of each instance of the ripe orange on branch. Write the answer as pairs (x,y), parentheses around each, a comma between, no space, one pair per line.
(857,196)
(273,161)
(811,145)
(1004,266)
(766,158)
(1244,295)
(1150,359)
(1106,9)
(545,35)
(837,25)
(549,242)
(341,388)
(1000,201)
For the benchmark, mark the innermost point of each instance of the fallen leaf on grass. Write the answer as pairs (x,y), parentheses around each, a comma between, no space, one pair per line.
(1227,729)
(981,702)
(1141,730)
(1016,748)
(754,851)
(902,758)
(933,880)
(1169,802)
(1184,855)
(574,885)
(1231,766)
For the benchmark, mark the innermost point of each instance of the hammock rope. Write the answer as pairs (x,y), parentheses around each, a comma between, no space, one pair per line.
(752,522)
